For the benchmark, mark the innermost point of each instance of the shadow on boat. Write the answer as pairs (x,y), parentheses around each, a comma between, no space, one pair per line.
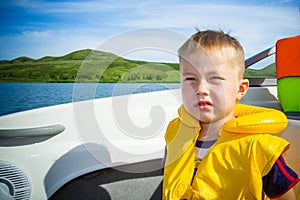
(142,180)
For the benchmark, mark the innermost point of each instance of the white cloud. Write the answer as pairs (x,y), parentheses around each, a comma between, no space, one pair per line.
(257,27)
(152,44)
(45,34)
(36,44)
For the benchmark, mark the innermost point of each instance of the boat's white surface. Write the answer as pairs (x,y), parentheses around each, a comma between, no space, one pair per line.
(106,132)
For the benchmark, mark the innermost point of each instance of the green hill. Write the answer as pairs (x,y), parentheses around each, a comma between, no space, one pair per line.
(86,66)
(267,72)
(96,66)
(21,60)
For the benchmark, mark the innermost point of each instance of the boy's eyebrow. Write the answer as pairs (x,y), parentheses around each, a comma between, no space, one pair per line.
(208,73)
(188,73)
(216,72)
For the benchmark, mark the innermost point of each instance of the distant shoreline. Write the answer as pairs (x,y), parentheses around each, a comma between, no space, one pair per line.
(87,66)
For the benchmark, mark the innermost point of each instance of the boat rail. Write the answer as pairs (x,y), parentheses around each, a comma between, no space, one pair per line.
(261,55)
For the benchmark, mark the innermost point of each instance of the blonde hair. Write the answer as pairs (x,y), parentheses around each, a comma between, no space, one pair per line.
(211,40)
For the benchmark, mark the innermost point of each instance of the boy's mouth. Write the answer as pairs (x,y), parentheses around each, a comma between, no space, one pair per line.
(204,104)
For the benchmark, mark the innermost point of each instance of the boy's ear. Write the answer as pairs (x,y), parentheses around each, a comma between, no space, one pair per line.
(243,88)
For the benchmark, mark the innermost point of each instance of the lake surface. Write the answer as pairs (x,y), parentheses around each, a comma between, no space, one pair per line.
(16,97)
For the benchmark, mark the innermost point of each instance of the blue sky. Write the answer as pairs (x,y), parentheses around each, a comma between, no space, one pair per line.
(36,28)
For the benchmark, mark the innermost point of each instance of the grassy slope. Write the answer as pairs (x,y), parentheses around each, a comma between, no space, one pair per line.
(267,72)
(95,66)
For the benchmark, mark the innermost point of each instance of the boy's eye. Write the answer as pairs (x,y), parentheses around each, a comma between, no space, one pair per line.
(190,78)
(216,78)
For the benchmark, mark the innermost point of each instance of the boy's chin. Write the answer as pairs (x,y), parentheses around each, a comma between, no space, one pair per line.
(206,117)
(206,120)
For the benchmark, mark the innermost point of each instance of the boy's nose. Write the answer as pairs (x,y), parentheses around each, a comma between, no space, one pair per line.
(202,88)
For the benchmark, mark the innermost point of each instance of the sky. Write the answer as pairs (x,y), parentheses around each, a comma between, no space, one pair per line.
(38,28)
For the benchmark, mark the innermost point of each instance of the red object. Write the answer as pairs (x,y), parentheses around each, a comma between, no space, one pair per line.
(288,57)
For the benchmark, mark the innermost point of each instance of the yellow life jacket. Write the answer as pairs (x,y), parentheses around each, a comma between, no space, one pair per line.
(234,167)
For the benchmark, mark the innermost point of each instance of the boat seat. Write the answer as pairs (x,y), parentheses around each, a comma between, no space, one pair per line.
(288,75)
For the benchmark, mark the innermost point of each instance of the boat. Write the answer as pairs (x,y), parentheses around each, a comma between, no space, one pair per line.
(112,148)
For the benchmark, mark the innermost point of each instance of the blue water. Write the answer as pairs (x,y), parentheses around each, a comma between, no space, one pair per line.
(16,97)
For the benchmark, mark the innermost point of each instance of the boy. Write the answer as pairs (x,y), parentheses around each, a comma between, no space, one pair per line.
(224,164)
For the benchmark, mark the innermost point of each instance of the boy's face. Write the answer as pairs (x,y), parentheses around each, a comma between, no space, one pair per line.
(210,86)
